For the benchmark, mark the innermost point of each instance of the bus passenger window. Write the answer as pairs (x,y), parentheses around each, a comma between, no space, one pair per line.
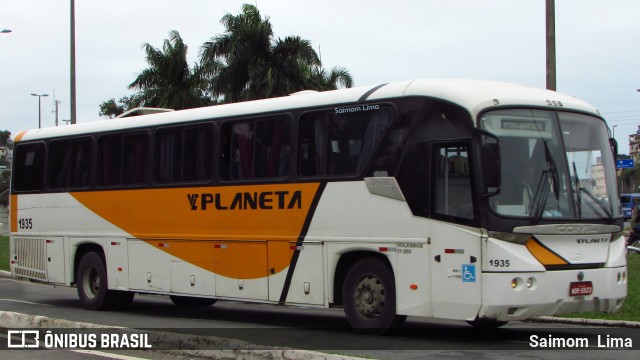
(340,141)
(80,163)
(168,156)
(183,154)
(134,169)
(28,167)
(58,164)
(122,160)
(255,149)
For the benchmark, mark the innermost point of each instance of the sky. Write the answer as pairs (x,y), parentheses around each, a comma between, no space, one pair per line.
(378,41)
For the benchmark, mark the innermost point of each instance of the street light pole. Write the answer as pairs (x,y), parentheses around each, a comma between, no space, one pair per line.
(73,62)
(39,108)
(551,44)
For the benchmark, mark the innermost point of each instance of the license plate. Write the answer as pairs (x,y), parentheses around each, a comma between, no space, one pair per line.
(581,288)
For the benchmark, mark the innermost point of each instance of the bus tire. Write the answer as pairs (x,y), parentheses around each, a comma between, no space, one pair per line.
(92,283)
(369,297)
(189,301)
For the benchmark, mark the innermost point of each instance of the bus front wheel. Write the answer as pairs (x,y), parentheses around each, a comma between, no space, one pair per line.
(369,297)
(92,283)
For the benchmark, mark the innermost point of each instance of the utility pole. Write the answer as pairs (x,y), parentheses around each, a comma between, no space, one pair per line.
(551,44)
(73,63)
(56,103)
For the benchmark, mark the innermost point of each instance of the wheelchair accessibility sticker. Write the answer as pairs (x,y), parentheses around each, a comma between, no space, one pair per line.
(468,273)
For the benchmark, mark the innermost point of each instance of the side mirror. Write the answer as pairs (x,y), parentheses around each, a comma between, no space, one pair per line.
(614,147)
(491,169)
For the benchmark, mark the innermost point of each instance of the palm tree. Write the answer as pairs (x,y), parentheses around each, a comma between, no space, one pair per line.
(169,82)
(245,62)
(319,79)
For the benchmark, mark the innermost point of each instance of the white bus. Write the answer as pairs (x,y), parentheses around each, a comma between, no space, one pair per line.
(469,200)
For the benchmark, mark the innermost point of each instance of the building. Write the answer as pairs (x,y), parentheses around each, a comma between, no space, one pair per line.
(598,185)
(634,146)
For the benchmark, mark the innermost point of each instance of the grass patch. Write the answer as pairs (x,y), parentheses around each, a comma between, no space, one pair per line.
(4,252)
(631,308)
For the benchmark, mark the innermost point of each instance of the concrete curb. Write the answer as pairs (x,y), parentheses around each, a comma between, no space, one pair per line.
(589,322)
(187,345)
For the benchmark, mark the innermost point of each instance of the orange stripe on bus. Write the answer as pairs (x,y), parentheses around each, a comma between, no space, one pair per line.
(544,255)
(14,213)
(192,222)
(20,136)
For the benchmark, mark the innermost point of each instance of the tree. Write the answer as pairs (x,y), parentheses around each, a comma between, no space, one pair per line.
(249,64)
(5,139)
(338,77)
(111,108)
(169,82)
(243,63)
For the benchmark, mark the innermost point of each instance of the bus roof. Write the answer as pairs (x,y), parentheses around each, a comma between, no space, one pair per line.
(474,95)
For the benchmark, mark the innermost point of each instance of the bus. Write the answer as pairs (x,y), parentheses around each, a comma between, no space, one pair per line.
(457,199)
(629,202)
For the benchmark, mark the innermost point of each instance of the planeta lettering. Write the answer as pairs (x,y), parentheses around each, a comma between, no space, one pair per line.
(265,200)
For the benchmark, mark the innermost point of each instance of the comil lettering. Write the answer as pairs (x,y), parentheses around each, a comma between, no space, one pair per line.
(265,200)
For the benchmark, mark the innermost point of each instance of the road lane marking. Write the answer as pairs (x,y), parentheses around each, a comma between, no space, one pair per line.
(106,354)
(25,302)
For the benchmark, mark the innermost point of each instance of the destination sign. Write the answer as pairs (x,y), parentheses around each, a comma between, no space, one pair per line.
(519,124)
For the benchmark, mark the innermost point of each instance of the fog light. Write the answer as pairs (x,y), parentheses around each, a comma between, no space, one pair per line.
(530,283)
(514,283)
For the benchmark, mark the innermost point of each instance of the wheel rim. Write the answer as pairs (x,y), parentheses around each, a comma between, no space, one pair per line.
(369,297)
(91,282)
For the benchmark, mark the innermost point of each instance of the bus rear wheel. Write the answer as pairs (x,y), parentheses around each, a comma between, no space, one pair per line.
(92,283)
(369,297)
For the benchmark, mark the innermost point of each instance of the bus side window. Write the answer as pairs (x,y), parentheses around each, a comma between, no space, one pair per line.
(413,178)
(256,149)
(29,167)
(452,194)
(58,164)
(340,143)
(80,163)
(122,159)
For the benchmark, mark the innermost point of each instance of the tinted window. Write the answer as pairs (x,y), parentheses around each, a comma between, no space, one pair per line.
(69,163)
(58,164)
(255,149)
(341,140)
(122,159)
(183,154)
(29,167)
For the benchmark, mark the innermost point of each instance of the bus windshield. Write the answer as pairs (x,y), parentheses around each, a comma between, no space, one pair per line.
(555,165)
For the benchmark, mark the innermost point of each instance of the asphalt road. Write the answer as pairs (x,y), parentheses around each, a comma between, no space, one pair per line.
(320,329)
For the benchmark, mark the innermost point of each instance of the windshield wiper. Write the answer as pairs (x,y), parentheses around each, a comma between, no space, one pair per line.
(595,200)
(577,185)
(540,199)
(580,190)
